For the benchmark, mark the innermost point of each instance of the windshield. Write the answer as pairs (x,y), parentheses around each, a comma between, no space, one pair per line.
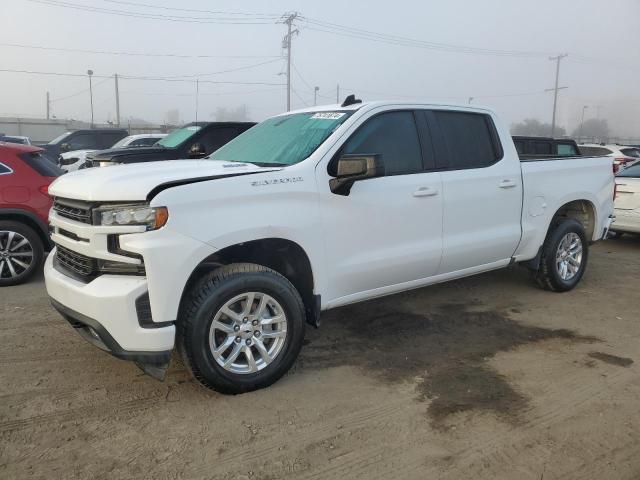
(283,140)
(121,143)
(59,139)
(176,137)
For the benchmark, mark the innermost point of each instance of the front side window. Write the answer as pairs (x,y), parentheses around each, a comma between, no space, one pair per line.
(178,136)
(110,139)
(393,135)
(217,137)
(470,139)
(81,141)
(283,140)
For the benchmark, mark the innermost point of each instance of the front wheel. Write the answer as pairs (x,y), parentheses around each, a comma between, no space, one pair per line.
(564,257)
(21,252)
(241,328)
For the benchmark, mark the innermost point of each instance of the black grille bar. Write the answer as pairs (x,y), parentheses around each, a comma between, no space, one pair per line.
(76,262)
(74,210)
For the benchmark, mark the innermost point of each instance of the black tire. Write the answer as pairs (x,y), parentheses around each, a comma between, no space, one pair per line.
(548,276)
(614,235)
(208,296)
(35,245)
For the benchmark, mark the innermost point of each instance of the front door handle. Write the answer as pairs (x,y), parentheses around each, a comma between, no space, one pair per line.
(507,184)
(425,192)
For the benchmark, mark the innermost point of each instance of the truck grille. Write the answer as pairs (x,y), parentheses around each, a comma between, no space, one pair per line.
(76,262)
(74,210)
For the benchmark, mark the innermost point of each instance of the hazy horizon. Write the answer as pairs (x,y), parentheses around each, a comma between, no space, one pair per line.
(510,74)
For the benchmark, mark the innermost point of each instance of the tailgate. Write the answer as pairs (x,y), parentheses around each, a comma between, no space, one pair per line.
(628,197)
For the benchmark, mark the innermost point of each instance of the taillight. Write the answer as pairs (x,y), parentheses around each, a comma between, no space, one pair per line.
(623,160)
(44,189)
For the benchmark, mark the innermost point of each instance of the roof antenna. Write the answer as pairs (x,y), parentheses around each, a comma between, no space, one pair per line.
(350,100)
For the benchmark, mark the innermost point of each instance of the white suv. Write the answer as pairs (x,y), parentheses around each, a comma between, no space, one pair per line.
(621,154)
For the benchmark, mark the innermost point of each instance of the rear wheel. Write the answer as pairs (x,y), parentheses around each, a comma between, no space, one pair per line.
(21,252)
(241,328)
(564,257)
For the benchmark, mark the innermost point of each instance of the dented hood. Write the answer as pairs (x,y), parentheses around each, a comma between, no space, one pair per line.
(135,182)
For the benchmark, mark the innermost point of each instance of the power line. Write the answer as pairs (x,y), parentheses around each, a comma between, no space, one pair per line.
(156,16)
(53,100)
(299,97)
(196,75)
(133,77)
(133,54)
(176,9)
(362,34)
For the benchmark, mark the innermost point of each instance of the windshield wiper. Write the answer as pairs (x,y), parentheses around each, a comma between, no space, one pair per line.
(269,164)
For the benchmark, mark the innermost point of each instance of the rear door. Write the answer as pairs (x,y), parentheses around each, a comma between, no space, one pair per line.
(482,190)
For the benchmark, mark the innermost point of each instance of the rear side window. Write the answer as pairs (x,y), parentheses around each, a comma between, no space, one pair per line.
(542,148)
(520,146)
(41,164)
(4,170)
(632,171)
(393,135)
(470,139)
(630,152)
(567,149)
(594,151)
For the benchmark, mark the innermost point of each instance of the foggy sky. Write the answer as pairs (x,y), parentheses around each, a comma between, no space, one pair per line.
(601,38)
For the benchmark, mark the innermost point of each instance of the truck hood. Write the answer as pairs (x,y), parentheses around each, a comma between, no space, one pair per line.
(135,182)
(132,155)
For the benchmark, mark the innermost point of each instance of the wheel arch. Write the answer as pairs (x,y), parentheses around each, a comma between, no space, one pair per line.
(284,256)
(29,219)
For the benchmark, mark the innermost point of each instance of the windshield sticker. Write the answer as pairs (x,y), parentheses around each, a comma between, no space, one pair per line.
(328,115)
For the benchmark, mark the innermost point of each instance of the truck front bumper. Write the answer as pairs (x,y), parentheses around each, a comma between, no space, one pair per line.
(104,312)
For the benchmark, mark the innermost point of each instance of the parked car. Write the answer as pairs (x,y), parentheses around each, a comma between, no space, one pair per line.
(620,153)
(540,147)
(627,204)
(87,139)
(194,140)
(71,161)
(25,175)
(307,211)
(21,139)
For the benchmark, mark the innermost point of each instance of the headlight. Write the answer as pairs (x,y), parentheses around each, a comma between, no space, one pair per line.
(136,214)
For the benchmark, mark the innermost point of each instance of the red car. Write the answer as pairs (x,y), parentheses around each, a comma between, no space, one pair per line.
(25,175)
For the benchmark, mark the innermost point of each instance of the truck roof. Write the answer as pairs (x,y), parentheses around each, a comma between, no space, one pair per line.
(384,103)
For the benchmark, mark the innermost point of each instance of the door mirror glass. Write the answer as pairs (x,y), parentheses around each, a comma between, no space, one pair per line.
(351,168)
(197,150)
(65,147)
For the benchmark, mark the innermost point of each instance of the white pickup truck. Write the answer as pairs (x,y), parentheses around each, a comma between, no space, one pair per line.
(228,257)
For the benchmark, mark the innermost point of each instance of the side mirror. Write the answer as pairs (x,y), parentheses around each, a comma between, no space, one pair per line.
(352,168)
(197,150)
(65,147)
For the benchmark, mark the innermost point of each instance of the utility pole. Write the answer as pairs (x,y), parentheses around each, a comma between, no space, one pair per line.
(582,122)
(90,73)
(338,93)
(286,44)
(115,76)
(48,106)
(555,91)
(470,99)
(197,95)
(315,96)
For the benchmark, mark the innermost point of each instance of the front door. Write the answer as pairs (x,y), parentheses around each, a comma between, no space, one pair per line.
(388,230)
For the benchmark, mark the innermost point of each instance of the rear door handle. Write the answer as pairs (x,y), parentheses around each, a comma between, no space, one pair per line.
(507,184)
(425,192)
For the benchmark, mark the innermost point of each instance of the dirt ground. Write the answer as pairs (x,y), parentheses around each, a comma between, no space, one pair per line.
(486,377)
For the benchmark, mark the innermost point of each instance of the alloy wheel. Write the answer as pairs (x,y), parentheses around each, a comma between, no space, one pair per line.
(16,254)
(569,256)
(248,333)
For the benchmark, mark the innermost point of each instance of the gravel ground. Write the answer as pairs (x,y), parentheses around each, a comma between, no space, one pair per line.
(486,377)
